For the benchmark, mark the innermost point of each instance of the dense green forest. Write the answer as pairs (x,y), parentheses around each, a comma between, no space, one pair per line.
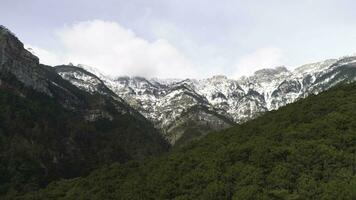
(40,141)
(305,150)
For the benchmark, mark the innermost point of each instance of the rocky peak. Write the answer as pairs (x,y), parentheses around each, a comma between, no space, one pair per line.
(19,62)
(270,73)
(314,67)
(83,79)
(218,78)
(347,60)
(10,46)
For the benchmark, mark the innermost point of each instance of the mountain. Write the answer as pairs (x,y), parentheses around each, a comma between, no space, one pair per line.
(177,110)
(187,109)
(304,150)
(63,122)
(50,129)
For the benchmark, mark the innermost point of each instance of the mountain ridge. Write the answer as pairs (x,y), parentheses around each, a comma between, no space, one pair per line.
(163,101)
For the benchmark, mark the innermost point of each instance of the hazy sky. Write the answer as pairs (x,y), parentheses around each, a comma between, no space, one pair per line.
(183,38)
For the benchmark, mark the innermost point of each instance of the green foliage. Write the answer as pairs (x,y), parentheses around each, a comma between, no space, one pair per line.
(306,150)
(40,141)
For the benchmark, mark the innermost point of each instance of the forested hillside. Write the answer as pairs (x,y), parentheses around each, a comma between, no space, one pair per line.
(306,150)
(40,141)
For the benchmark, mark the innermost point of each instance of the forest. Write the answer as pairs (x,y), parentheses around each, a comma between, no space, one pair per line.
(305,150)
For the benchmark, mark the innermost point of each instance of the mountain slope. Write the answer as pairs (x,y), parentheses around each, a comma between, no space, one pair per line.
(50,129)
(305,150)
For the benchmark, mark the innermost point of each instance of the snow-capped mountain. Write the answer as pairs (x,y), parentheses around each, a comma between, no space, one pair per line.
(173,107)
(269,89)
(217,102)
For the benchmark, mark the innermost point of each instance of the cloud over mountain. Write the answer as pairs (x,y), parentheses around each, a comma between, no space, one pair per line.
(116,50)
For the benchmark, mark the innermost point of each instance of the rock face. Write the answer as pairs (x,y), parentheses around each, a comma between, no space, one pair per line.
(218,102)
(16,60)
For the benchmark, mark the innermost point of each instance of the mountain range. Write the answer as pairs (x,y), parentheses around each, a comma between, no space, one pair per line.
(180,107)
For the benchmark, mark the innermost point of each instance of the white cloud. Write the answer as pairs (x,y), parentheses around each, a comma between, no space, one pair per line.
(261,58)
(117,51)
(45,56)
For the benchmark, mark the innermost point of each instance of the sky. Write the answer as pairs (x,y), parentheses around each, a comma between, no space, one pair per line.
(183,38)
